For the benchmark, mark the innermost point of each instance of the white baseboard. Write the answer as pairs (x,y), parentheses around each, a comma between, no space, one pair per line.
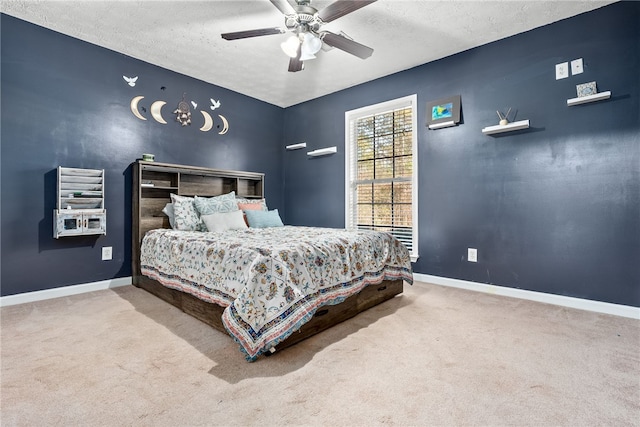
(579,303)
(64,291)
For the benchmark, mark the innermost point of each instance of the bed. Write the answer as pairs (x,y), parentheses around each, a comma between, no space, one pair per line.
(267,287)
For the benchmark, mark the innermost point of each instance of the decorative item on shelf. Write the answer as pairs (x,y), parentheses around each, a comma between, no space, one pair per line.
(183,112)
(443,112)
(148,157)
(504,119)
(322,151)
(296,146)
(586,89)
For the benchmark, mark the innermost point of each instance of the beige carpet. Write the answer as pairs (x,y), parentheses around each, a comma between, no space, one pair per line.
(433,356)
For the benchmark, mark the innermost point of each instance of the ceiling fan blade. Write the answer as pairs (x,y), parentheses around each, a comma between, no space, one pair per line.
(295,64)
(340,8)
(284,6)
(348,45)
(252,33)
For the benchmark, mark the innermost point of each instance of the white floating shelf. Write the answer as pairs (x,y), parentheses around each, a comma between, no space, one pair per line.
(322,151)
(297,146)
(509,127)
(442,125)
(589,98)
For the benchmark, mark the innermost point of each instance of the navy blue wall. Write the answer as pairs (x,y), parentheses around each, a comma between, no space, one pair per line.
(64,102)
(555,208)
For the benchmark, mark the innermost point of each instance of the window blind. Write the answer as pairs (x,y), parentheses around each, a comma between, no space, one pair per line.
(381,173)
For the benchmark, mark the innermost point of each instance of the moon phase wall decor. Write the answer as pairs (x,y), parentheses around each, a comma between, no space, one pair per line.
(134,107)
(208,122)
(156,113)
(225,125)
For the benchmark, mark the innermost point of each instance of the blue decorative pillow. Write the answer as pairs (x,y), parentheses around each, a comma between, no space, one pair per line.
(263,219)
(218,204)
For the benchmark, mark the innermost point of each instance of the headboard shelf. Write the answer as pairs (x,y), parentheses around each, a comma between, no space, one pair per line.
(154,182)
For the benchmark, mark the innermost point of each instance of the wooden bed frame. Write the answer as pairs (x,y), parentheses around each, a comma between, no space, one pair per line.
(152,185)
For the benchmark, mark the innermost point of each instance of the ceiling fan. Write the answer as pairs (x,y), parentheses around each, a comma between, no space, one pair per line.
(305,21)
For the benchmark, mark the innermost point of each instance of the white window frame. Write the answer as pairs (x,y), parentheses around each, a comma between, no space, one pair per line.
(350,117)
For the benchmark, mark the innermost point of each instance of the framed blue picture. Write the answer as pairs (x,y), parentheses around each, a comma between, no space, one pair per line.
(443,112)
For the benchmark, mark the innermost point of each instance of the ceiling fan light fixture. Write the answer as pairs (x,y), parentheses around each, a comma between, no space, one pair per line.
(305,56)
(311,44)
(290,46)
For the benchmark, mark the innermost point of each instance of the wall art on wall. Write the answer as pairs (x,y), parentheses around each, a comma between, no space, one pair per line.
(586,89)
(183,112)
(443,112)
(131,81)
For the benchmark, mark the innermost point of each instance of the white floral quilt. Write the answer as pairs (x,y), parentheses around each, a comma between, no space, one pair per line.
(272,280)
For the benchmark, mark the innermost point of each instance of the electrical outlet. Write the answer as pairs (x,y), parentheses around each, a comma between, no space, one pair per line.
(562,70)
(577,67)
(107,253)
(472,255)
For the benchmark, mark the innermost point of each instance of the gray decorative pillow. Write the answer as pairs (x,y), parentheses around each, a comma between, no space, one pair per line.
(186,216)
(168,211)
(218,204)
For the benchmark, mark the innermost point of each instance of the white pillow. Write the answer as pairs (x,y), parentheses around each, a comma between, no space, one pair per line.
(225,221)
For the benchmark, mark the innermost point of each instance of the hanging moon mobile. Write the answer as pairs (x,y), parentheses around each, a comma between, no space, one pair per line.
(208,122)
(225,125)
(134,107)
(156,112)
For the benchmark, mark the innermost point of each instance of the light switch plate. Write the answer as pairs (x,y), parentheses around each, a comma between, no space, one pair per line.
(576,67)
(562,71)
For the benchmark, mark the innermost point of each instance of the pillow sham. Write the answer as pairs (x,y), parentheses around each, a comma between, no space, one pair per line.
(250,206)
(216,204)
(185,215)
(168,211)
(264,219)
(260,202)
(222,221)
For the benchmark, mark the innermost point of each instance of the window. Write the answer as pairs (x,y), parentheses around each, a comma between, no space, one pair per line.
(381,170)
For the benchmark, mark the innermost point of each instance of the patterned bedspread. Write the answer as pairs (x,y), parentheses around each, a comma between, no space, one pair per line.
(272,280)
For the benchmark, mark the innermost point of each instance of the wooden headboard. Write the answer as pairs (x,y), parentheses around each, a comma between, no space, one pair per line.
(154,182)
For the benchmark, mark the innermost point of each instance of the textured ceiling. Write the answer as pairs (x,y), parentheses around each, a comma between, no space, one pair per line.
(184,36)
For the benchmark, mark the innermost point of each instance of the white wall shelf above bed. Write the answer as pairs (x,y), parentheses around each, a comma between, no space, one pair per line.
(509,127)
(589,98)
